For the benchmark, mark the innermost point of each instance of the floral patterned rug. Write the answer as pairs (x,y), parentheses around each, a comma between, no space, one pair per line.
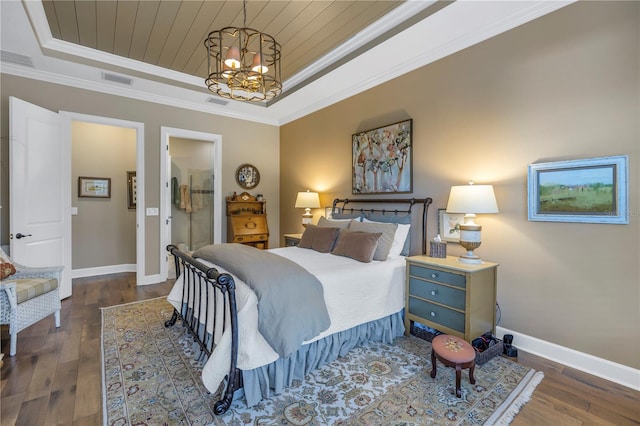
(151,376)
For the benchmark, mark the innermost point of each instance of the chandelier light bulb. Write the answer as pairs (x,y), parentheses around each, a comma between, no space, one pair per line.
(257,65)
(233,58)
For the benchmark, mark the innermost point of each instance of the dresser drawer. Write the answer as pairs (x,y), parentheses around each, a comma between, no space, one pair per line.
(437,275)
(438,314)
(248,225)
(250,238)
(438,293)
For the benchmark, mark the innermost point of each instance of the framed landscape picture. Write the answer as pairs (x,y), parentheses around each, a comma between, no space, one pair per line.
(93,187)
(381,159)
(594,190)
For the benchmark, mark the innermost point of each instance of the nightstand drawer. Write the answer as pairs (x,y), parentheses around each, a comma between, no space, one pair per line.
(438,314)
(437,275)
(438,293)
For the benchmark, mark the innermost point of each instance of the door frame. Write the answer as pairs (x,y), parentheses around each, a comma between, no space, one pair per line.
(166,133)
(68,117)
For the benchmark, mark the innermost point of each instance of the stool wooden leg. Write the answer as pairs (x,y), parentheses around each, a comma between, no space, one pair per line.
(458,374)
(472,380)
(433,364)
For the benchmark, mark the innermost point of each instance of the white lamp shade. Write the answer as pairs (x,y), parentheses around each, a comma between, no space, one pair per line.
(472,199)
(307,200)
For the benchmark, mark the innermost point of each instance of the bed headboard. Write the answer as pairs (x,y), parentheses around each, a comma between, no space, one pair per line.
(378,202)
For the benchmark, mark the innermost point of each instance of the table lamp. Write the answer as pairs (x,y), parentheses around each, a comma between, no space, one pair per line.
(307,201)
(471,199)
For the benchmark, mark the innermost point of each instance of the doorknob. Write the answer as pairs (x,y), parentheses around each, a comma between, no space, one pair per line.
(20,235)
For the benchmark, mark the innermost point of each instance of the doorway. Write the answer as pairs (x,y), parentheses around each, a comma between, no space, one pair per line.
(109,153)
(118,195)
(192,199)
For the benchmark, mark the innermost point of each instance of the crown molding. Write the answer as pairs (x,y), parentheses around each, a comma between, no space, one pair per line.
(130,93)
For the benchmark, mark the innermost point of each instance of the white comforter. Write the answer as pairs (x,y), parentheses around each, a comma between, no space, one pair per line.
(354,292)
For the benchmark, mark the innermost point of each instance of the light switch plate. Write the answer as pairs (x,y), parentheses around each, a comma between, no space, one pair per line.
(152,211)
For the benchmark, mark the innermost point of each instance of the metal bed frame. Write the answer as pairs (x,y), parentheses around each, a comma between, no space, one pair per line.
(199,278)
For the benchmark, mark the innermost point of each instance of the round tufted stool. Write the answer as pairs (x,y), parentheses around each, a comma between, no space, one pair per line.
(453,352)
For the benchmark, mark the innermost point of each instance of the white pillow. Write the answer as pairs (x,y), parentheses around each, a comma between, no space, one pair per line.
(402,232)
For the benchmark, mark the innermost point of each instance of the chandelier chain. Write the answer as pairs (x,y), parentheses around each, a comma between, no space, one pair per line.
(244,8)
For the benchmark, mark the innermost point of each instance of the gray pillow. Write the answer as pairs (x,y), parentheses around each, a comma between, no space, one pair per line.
(360,246)
(394,218)
(339,223)
(321,239)
(388,231)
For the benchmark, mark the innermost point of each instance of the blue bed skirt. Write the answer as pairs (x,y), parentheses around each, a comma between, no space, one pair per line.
(271,379)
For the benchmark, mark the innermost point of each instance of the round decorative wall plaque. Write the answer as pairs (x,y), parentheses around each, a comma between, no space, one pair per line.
(247,176)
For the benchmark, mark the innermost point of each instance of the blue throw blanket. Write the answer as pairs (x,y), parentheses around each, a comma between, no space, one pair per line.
(291,306)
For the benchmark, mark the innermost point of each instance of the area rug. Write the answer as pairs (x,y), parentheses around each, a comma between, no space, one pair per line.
(151,376)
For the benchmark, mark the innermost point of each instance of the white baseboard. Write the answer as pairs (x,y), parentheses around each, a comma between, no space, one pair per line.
(151,279)
(609,370)
(102,270)
(115,269)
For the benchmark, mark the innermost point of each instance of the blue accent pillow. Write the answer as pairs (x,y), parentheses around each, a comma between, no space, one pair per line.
(394,218)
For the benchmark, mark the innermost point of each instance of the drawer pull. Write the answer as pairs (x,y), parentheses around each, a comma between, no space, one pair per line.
(433,292)
(433,314)
(434,275)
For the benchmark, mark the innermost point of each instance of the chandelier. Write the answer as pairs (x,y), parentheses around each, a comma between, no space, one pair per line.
(243,63)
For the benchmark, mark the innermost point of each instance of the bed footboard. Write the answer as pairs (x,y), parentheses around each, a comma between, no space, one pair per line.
(208,307)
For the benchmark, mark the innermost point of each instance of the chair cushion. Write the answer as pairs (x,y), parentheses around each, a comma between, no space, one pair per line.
(28,288)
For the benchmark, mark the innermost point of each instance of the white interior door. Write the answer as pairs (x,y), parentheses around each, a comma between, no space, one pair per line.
(40,207)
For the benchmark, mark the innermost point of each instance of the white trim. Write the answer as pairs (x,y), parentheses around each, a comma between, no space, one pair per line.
(388,22)
(600,367)
(191,100)
(140,197)
(165,207)
(151,279)
(103,270)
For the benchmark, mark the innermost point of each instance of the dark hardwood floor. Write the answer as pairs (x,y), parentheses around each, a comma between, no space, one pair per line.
(55,377)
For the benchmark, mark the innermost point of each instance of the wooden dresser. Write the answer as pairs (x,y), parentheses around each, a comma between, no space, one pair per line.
(450,296)
(247,220)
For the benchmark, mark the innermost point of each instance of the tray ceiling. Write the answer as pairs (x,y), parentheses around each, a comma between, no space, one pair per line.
(153,50)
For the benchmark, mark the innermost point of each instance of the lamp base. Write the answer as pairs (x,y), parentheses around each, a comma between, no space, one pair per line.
(470,259)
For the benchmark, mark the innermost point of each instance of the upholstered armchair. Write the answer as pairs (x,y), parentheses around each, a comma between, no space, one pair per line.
(27,296)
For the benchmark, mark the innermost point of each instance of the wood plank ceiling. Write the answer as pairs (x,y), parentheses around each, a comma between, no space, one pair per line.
(170,33)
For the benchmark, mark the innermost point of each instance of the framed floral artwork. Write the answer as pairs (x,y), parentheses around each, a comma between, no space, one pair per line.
(382,160)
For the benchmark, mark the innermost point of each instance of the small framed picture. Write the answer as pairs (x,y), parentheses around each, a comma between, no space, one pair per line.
(131,190)
(328,212)
(94,187)
(449,225)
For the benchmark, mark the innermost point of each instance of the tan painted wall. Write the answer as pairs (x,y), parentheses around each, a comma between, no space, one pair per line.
(565,86)
(242,142)
(104,230)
